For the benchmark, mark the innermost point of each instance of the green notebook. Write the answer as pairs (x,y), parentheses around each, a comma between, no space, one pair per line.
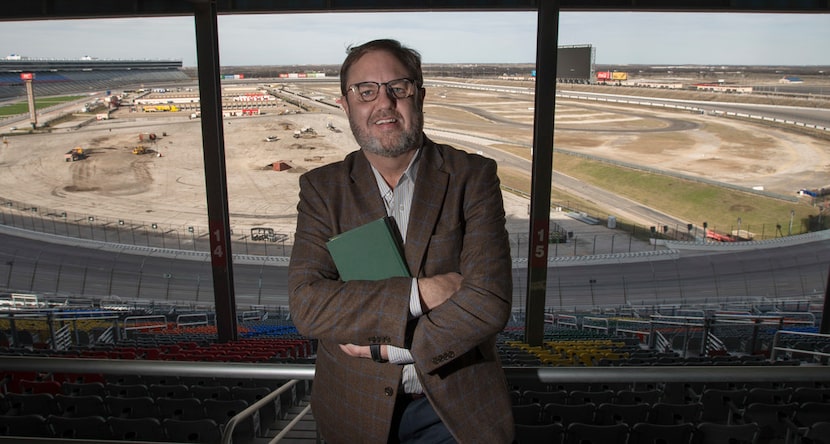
(369,252)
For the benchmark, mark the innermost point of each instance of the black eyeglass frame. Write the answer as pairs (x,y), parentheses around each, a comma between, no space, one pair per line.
(397,93)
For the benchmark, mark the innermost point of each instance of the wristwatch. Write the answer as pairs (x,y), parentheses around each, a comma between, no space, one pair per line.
(375,350)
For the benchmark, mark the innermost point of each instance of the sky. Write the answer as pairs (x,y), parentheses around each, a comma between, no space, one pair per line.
(441,37)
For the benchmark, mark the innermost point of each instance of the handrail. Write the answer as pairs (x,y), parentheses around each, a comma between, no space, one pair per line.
(144,327)
(291,425)
(202,319)
(691,373)
(227,434)
(595,327)
(775,348)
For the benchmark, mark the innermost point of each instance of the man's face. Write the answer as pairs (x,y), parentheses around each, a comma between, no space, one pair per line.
(386,126)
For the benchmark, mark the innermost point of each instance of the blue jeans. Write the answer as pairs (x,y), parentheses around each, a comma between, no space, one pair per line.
(421,425)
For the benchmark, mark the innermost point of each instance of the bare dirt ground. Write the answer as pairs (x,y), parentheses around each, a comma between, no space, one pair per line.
(166,184)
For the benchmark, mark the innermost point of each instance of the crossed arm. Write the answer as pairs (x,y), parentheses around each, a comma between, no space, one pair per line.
(433,291)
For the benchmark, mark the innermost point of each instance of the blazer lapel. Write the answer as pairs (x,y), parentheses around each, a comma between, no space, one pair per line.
(368,205)
(427,202)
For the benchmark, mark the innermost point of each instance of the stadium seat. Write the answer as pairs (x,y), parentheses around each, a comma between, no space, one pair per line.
(819,433)
(204,431)
(810,394)
(79,427)
(180,408)
(136,429)
(133,407)
(24,425)
(82,405)
(84,388)
(577,397)
(20,404)
(714,433)
(51,387)
(544,397)
(664,413)
(769,395)
(527,414)
(210,392)
(543,433)
(772,419)
(567,414)
(222,410)
(579,433)
(638,396)
(127,390)
(628,414)
(646,433)
(807,415)
(269,413)
(719,405)
(178,391)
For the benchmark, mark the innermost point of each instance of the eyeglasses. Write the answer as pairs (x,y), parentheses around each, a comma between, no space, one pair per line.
(399,89)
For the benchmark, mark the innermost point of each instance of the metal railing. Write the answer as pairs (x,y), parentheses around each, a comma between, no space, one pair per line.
(515,375)
(776,348)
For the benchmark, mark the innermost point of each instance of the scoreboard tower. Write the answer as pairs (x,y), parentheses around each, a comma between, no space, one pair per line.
(27,78)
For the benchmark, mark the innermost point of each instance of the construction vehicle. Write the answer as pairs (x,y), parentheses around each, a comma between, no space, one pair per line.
(143,137)
(158,108)
(74,154)
(139,149)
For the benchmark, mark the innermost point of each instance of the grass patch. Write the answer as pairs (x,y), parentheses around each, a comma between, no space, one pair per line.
(693,201)
(40,103)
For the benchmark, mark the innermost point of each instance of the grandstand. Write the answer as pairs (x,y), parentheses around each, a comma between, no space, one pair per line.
(729,369)
(57,77)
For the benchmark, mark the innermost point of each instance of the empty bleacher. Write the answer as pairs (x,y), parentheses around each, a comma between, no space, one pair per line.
(565,410)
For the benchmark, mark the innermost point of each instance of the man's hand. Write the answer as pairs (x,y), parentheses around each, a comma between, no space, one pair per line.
(362,351)
(437,289)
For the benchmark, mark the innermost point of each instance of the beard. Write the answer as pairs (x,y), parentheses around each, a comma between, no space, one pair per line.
(390,145)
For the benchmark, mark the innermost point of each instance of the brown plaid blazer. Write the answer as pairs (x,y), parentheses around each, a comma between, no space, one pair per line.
(457,223)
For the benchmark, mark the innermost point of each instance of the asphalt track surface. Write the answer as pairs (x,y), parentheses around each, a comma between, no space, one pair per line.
(788,268)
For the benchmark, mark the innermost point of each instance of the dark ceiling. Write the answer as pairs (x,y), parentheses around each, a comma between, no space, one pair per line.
(69,9)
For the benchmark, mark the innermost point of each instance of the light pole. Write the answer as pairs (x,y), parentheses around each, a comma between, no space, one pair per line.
(192,236)
(792,215)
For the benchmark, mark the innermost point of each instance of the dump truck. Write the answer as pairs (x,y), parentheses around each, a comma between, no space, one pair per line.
(74,154)
(139,149)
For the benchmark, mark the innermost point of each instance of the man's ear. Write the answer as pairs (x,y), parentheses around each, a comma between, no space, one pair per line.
(344,103)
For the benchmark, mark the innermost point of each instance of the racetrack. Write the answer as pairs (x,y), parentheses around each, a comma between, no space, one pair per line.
(114,184)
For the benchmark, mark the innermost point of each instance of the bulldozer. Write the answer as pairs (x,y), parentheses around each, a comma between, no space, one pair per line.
(74,154)
(139,149)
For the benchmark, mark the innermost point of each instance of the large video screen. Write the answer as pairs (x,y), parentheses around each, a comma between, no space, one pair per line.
(574,62)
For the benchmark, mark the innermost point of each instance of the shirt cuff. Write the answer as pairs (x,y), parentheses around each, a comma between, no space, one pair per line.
(415,300)
(399,355)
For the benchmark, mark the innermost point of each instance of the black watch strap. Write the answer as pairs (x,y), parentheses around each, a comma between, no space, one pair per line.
(375,350)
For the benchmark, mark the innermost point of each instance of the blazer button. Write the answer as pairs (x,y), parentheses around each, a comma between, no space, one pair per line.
(388,391)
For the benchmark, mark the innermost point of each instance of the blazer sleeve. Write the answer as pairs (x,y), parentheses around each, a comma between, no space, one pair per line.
(321,305)
(479,248)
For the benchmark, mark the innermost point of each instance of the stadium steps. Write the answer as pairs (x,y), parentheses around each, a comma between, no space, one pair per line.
(304,432)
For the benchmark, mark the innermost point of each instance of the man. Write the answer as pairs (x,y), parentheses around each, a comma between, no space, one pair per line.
(404,359)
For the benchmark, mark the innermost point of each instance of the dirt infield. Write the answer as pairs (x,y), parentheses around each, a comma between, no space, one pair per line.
(166,184)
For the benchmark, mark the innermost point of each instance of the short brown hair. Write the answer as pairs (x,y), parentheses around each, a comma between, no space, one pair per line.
(409,57)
